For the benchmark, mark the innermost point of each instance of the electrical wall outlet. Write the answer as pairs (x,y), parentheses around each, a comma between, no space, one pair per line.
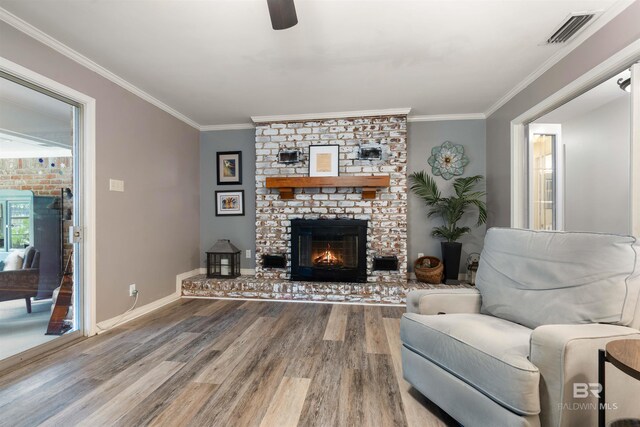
(247,254)
(132,290)
(420,254)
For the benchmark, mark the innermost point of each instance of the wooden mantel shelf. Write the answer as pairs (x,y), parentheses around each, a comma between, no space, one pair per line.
(369,184)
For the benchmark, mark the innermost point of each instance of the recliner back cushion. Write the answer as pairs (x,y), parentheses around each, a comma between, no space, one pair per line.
(29,253)
(538,277)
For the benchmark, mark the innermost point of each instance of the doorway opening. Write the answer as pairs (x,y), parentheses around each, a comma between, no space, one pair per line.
(596,171)
(579,162)
(41,282)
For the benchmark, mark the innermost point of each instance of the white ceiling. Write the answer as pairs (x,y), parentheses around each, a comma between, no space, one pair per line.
(13,146)
(30,115)
(219,62)
(13,94)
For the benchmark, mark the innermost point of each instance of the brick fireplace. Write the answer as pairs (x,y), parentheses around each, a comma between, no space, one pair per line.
(385,214)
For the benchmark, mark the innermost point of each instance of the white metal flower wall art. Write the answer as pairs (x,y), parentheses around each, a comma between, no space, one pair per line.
(448,160)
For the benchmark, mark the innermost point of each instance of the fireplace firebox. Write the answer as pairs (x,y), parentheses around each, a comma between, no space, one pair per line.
(329,250)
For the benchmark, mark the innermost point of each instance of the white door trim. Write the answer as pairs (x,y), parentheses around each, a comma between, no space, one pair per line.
(88,129)
(635,150)
(616,63)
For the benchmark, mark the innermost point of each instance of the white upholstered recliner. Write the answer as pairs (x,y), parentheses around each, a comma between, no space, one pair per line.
(509,352)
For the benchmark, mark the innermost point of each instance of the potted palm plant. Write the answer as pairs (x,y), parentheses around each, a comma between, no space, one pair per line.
(451,210)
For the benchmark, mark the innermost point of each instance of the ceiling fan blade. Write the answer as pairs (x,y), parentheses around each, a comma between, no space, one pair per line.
(283,14)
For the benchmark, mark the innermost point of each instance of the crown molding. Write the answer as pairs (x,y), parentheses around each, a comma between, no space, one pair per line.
(590,30)
(233,126)
(294,117)
(446,117)
(65,50)
(331,115)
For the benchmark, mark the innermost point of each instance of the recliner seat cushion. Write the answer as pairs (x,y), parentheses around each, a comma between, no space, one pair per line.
(488,353)
(537,277)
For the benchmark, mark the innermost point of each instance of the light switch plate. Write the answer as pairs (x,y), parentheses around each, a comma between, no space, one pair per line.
(116,185)
(247,253)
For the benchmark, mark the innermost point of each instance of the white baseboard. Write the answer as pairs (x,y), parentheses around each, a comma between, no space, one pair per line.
(105,325)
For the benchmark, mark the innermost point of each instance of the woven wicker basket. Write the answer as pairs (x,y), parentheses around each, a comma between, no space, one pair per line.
(431,274)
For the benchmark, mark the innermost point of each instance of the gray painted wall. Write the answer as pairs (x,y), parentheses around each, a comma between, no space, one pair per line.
(422,136)
(614,36)
(597,169)
(148,234)
(241,230)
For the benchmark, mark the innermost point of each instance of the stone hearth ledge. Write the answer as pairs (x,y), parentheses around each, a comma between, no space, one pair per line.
(250,287)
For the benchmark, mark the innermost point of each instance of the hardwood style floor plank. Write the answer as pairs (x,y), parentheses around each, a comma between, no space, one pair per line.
(337,324)
(286,405)
(185,406)
(382,401)
(227,363)
(350,411)
(375,335)
(131,396)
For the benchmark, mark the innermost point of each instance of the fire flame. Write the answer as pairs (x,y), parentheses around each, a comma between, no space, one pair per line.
(327,257)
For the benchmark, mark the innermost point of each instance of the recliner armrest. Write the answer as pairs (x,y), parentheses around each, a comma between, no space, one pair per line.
(435,301)
(568,354)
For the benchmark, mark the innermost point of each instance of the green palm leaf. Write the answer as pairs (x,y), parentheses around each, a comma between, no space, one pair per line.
(450,209)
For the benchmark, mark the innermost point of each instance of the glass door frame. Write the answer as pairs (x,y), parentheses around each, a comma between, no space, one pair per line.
(555,131)
(85,190)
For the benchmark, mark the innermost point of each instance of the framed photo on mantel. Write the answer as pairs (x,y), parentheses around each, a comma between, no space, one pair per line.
(229,166)
(324,160)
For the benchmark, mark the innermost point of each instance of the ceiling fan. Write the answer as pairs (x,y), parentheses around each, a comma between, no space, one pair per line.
(283,14)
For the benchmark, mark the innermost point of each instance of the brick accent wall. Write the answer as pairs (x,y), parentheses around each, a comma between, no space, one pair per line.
(42,179)
(387,213)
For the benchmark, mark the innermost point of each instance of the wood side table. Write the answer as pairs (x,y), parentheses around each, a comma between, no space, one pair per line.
(624,355)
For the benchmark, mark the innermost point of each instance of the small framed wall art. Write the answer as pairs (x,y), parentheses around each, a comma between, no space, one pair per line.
(229,166)
(230,203)
(324,160)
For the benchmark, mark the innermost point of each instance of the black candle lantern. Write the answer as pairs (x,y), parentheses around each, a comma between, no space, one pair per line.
(223,260)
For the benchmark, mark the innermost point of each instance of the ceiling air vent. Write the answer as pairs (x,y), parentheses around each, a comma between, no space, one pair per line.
(573,24)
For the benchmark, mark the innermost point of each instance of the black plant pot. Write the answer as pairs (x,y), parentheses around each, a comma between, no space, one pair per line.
(451,258)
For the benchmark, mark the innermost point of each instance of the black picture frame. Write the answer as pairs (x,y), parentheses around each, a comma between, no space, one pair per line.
(229,210)
(229,167)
